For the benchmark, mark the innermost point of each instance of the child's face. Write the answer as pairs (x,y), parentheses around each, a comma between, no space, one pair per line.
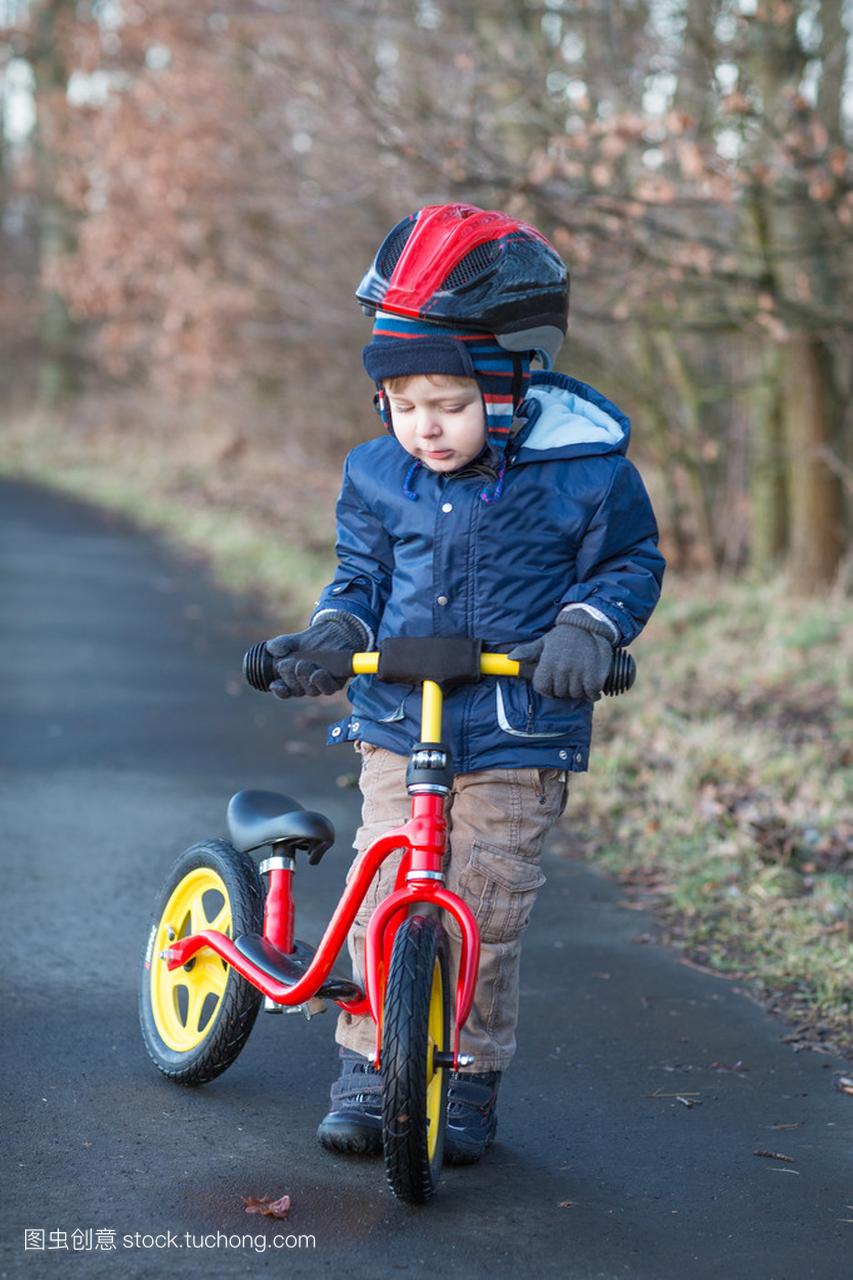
(439,420)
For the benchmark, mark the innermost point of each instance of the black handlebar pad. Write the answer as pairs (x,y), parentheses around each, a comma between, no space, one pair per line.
(449,660)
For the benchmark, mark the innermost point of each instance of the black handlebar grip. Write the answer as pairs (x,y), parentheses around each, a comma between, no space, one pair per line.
(622,673)
(258,667)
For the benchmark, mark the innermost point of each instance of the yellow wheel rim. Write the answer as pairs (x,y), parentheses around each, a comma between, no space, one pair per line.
(435,1040)
(185,1001)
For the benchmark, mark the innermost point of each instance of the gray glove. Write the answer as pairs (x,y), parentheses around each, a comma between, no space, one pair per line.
(573,657)
(300,677)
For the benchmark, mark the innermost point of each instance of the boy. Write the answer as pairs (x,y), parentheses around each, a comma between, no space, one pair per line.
(498,505)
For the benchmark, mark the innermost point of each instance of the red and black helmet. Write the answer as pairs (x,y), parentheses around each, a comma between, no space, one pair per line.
(455,264)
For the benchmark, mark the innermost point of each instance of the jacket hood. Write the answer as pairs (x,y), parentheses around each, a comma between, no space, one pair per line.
(565,418)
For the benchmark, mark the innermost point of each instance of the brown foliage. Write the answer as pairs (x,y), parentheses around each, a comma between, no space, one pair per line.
(229,184)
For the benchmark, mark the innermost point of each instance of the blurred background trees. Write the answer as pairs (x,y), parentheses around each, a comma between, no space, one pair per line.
(190,195)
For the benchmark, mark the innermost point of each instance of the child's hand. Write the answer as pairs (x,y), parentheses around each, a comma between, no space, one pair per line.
(300,677)
(573,657)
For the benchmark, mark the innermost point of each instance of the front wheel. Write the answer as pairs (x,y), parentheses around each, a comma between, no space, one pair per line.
(196,1019)
(416,1024)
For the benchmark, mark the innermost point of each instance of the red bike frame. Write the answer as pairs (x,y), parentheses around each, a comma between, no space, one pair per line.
(423,839)
(419,880)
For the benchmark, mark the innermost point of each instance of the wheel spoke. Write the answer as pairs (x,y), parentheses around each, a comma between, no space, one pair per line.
(197,995)
(198,920)
(173,978)
(215,976)
(175,988)
(222,920)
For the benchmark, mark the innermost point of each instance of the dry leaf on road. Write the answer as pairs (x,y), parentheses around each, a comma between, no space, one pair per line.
(265,1204)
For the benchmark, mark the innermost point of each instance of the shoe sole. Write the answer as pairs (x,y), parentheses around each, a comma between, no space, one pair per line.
(456,1152)
(349,1140)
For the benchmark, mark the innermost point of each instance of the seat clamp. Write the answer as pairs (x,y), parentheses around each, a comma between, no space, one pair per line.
(278,862)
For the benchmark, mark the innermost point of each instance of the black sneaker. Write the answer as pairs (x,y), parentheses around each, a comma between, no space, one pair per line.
(354,1123)
(471,1119)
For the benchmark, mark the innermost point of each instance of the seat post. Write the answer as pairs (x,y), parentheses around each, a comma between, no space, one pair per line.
(278,907)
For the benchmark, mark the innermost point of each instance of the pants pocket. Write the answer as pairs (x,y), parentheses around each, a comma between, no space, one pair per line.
(500,888)
(564,793)
(551,784)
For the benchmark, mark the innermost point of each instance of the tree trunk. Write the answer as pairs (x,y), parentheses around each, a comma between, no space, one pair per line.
(687,424)
(768,471)
(673,519)
(833,52)
(693,93)
(58,369)
(816,535)
(810,404)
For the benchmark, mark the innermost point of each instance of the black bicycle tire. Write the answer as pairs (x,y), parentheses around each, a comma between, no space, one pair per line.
(230,1027)
(410,1173)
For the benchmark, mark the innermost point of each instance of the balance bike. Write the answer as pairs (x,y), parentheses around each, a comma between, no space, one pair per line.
(222,935)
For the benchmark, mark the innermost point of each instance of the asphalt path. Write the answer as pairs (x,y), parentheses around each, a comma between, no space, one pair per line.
(125,730)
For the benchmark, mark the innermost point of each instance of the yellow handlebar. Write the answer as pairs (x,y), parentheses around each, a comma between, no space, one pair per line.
(491,664)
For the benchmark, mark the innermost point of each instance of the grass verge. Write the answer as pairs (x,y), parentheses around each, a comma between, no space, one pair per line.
(720,793)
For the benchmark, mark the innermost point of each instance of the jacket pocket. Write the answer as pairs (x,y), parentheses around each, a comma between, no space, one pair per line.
(523,713)
(375,700)
(500,888)
(399,713)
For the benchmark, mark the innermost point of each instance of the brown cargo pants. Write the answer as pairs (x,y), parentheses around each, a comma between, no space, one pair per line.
(497,823)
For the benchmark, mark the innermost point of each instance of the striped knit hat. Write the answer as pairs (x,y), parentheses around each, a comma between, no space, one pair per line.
(401,347)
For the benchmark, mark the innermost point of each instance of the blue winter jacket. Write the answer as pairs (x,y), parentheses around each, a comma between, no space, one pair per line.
(573,525)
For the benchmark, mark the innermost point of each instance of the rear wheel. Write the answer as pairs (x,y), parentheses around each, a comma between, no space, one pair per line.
(196,1019)
(416,1024)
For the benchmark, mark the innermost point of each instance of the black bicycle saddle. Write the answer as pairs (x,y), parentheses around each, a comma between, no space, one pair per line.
(256,818)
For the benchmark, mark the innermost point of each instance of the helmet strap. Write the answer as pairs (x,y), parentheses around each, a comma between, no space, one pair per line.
(517,379)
